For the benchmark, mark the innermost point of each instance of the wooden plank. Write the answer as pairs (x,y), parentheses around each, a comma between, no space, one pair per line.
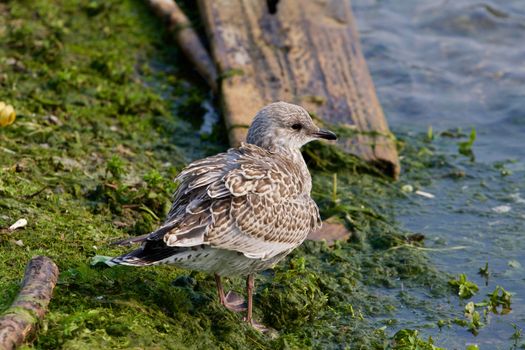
(307,53)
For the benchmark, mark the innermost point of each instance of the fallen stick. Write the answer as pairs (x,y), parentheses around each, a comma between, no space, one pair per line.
(22,318)
(187,39)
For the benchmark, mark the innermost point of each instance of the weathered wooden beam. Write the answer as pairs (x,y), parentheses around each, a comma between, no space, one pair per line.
(186,38)
(301,51)
(22,318)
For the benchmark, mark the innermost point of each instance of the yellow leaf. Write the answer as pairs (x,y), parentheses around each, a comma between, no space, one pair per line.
(7,114)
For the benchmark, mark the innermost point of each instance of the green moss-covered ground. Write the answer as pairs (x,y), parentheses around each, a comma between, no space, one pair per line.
(106,119)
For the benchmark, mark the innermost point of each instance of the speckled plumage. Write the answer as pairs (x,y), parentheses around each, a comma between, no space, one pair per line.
(242,211)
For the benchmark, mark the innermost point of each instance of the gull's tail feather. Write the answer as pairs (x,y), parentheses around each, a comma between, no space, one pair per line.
(151,253)
(152,236)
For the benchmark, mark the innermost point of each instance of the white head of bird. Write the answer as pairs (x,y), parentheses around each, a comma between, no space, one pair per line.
(285,127)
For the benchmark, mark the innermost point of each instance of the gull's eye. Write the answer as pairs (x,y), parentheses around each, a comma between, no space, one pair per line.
(297,126)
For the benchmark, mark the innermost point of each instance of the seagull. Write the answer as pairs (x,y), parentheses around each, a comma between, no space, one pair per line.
(242,211)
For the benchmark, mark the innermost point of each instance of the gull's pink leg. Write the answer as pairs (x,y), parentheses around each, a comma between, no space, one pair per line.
(249,317)
(232,301)
(249,291)
(220,290)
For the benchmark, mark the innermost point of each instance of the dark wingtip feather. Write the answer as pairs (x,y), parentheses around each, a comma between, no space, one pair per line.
(131,240)
(152,236)
(151,253)
(130,259)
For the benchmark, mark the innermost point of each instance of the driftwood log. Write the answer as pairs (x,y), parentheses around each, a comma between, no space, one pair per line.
(186,38)
(21,320)
(301,51)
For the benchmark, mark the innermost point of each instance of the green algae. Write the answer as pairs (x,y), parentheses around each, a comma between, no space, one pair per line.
(409,340)
(466,289)
(104,123)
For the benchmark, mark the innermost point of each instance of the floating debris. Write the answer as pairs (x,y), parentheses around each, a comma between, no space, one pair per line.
(407,188)
(7,114)
(501,209)
(425,194)
(18,224)
(517,198)
(515,264)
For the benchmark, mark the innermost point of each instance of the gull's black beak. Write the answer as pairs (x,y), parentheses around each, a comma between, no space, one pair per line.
(325,134)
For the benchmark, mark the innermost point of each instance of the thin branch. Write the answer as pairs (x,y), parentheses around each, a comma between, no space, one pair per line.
(187,39)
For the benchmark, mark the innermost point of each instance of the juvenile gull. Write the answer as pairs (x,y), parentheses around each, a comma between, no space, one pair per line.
(242,211)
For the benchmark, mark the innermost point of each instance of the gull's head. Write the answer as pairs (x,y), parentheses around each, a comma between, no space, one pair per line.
(282,125)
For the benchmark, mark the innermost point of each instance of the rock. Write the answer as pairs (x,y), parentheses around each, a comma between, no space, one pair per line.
(331,231)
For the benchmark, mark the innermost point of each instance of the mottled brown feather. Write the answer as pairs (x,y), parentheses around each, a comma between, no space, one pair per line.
(264,207)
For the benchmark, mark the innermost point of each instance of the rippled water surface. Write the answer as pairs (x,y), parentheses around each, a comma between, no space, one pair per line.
(450,64)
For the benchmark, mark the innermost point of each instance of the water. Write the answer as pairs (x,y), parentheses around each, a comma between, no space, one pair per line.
(450,64)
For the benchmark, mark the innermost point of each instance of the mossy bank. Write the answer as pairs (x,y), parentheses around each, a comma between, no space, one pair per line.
(106,118)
